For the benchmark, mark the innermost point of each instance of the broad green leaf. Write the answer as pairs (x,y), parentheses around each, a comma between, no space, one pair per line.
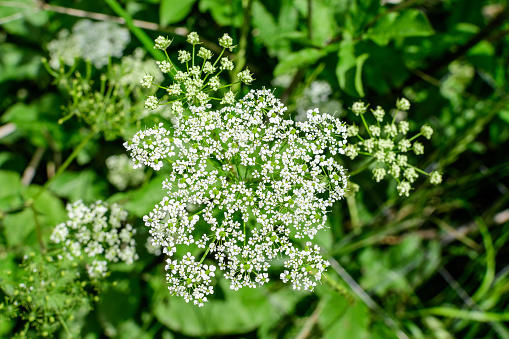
(141,201)
(359,62)
(224,12)
(17,226)
(407,23)
(239,312)
(36,118)
(84,185)
(50,209)
(119,302)
(17,63)
(303,58)
(172,11)
(11,190)
(338,319)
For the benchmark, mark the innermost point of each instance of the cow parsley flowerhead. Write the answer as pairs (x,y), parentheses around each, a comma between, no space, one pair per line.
(260,180)
(96,235)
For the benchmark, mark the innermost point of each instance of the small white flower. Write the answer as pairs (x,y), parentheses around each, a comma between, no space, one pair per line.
(152,102)
(359,108)
(193,38)
(403,104)
(146,81)
(435,178)
(162,43)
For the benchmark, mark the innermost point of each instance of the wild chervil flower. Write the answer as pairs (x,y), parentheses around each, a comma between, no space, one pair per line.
(259,181)
(386,147)
(96,233)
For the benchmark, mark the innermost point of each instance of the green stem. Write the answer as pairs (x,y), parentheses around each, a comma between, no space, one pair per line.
(415,136)
(244,33)
(362,168)
(365,125)
(38,230)
(138,32)
(207,251)
(62,168)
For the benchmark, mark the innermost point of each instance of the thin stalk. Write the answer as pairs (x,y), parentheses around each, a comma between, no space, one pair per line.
(138,32)
(64,166)
(362,168)
(38,230)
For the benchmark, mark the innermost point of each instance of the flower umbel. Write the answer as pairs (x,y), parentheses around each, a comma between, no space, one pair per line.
(259,181)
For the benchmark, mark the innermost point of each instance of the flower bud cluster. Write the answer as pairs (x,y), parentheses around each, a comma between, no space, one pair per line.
(387,144)
(95,235)
(42,294)
(196,84)
(260,180)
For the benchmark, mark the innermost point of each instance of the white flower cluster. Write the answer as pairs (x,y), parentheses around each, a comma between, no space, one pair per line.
(96,41)
(259,181)
(121,172)
(387,144)
(194,85)
(96,232)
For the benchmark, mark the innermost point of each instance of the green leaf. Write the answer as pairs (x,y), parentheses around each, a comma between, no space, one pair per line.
(359,62)
(407,23)
(239,312)
(303,58)
(338,319)
(224,12)
(172,11)
(17,226)
(17,63)
(346,61)
(11,192)
(50,209)
(84,185)
(119,302)
(141,201)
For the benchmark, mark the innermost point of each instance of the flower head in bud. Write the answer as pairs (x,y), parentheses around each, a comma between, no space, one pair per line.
(245,76)
(379,174)
(352,130)
(418,148)
(184,56)
(164,66)
(162,43)
(435,178)
(427,131)
(226,64)
(146,81)
(403,104)
(152,102)
(226,42)
(404,188)
(229,98)
(404,126)
(379,113)
(193,38)
(359,108)
(205,53)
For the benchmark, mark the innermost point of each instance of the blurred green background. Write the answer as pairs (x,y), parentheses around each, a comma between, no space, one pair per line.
(433,265)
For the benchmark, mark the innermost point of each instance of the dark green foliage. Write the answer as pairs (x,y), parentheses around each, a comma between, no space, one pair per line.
(433,265)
